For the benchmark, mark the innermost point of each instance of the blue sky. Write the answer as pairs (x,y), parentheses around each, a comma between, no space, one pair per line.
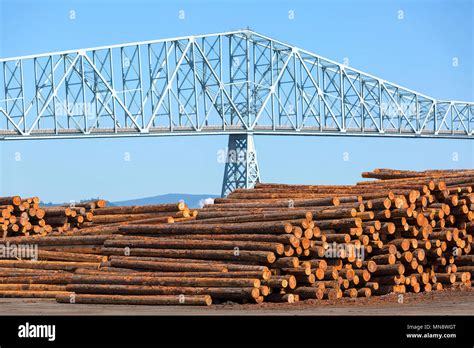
(416,51)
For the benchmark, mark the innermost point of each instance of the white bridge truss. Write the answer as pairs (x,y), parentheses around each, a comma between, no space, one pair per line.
(236,83)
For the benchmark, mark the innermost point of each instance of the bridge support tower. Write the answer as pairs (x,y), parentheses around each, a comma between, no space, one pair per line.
(241,167)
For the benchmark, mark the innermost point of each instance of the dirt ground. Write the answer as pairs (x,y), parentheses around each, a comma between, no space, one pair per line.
(447,302)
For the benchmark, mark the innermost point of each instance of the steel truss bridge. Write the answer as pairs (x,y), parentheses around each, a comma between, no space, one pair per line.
(237,83)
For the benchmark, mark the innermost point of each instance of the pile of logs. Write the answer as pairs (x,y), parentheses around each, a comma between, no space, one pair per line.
(106,218)
(404,232)
(416,227)
(22,217)
(68,217)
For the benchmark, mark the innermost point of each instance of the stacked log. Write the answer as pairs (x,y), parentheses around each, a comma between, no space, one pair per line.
(48,269)
(402,214)
(64,218)
(403,232)
(107,220)
(22,216)
(134,213)
(38,266)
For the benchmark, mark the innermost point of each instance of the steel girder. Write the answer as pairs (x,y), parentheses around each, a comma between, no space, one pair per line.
(228,83)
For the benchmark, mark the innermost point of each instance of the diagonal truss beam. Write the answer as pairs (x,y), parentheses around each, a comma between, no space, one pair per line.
(218,83)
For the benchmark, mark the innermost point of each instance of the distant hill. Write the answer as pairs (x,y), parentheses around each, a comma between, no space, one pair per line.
(51,204)
(193,201)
